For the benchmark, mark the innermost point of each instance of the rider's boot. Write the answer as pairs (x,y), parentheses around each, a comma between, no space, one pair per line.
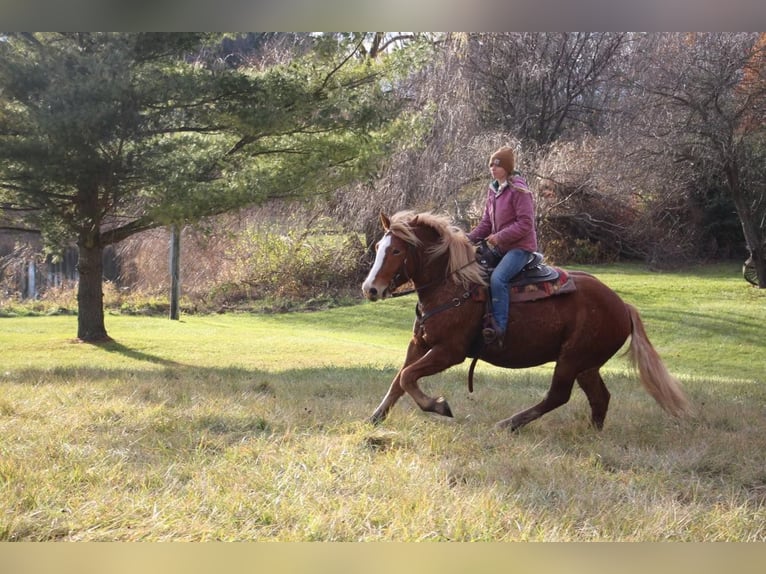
(492,334)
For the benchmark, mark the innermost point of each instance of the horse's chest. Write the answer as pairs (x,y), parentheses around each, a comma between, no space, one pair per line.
(446,329)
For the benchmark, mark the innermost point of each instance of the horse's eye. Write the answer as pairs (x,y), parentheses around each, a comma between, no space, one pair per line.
(397,251)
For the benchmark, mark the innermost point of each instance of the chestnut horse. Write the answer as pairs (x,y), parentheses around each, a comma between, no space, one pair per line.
(580,330)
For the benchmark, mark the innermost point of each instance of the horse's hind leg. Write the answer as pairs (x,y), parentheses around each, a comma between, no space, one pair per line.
(558,394)
(592,384)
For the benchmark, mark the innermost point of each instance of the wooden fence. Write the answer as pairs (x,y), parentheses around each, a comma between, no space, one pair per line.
(26,273)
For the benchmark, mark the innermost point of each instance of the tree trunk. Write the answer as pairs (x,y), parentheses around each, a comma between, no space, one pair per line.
(759,260)
(750,229)
(90,292)
(175,271)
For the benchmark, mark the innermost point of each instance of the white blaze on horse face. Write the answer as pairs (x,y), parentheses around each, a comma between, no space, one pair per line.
(371,288)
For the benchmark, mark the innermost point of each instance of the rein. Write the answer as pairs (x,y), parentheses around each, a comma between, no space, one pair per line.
(429,284)
(453,303)
(403,293)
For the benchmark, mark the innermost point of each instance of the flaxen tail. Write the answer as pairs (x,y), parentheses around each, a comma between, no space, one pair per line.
(654,376)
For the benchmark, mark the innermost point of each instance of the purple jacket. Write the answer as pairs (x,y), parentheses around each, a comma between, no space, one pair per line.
(510,217)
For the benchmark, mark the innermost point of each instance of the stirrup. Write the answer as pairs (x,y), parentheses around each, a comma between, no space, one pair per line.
(492,337)
(491,333)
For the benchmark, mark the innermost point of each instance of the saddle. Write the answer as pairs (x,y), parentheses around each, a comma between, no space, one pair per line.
(534,271)
(536,280)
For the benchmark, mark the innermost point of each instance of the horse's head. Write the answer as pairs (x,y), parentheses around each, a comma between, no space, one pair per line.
(389,270)
(424,248)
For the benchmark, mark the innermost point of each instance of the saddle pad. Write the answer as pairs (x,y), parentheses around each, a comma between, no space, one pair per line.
(533,291)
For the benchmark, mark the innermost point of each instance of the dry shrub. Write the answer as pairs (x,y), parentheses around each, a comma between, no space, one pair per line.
(596,203)
(232,260)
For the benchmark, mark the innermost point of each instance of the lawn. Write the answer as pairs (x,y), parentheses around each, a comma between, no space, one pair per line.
(252,427)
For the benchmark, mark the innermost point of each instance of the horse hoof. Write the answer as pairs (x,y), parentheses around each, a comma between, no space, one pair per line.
(441,407)
(507,424)
(597,424)
(375,419)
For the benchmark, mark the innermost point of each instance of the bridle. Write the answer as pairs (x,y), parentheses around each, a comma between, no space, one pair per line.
(407,278)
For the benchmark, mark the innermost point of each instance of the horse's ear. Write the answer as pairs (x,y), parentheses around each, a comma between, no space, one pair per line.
(385,221)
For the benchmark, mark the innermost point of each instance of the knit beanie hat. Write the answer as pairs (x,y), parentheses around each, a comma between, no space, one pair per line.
(504,158)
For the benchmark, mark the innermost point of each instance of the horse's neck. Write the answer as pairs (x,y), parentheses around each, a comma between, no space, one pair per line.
(432,283)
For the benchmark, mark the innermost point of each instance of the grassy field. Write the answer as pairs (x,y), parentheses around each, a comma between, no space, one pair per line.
(252,427)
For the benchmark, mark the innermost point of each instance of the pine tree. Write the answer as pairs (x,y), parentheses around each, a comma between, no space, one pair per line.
(104,135)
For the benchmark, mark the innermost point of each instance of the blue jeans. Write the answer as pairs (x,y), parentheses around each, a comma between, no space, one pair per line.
(511,263)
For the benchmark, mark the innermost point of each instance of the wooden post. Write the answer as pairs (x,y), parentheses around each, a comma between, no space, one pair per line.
(175,266)
(31,277)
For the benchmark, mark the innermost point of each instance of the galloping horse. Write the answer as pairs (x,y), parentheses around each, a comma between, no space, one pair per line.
(580,330)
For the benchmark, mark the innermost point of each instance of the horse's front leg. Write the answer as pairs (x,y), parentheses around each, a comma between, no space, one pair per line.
(395,391)
(436,360)
(420,362)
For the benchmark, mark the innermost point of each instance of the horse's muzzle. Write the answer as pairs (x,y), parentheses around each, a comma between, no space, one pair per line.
(373,292)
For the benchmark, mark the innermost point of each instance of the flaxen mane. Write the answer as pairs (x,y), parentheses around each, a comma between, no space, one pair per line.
(462,267)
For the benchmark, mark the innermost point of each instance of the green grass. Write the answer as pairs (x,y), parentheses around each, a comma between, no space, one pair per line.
(251,427)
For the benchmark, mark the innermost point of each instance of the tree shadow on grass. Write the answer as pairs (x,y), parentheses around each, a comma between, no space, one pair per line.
(745,329)
(115,347)
(223,379)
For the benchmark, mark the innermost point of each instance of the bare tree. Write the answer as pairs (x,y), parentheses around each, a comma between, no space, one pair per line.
(544,86)
(479,92)
(445,152)
(614,149)
(701,95)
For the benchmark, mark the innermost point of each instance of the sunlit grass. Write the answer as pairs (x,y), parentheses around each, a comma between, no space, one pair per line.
(243,427)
